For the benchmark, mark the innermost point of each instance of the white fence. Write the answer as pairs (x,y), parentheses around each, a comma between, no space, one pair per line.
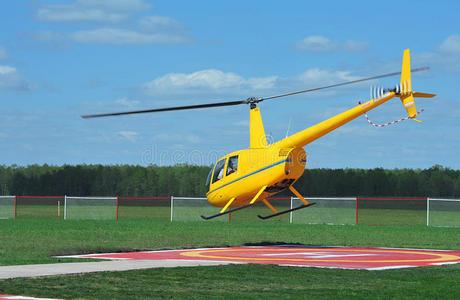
(7,205)
(327,210)
(90,208)
(331,210)
(443,212)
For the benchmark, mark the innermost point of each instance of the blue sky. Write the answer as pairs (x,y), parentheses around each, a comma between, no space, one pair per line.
(63,59)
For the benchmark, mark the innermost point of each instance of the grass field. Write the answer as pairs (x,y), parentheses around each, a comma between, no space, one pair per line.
(26,241)
(247,282)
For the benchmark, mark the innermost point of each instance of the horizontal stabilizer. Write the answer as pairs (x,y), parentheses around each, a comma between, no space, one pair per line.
(423,95)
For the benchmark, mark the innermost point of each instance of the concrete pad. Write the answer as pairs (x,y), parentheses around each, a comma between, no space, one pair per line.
(7,272)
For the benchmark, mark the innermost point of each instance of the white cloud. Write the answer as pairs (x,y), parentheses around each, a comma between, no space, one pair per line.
(354,46)
(446,56)
(3,53)
(46,35)
(65,15)
(115,36)
(144,30)
(210,79)
(451,45)
(117,5)
(129,135)
(7,70)
(317,43)
(317,76)
(126,102)
(11,79)
(91,10)
(159,23)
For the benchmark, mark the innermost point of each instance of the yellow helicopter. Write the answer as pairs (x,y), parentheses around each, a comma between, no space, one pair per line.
(240,179)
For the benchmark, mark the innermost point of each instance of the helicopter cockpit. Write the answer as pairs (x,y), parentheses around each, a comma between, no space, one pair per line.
(219,167)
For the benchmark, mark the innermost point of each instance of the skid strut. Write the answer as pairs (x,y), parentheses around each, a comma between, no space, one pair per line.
(223,212)
(276,213)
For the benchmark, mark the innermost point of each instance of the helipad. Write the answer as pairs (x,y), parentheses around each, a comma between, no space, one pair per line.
(301,256)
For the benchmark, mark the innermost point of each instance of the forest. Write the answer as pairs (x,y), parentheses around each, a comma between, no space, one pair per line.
(189,180)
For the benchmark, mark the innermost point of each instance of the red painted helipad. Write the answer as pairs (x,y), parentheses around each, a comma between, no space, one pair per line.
(302,256)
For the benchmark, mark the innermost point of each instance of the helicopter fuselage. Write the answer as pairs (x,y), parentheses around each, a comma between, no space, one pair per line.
(273,167)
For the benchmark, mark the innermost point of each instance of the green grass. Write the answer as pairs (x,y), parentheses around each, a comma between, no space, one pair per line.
(246,282)
(445,218)
(392,217)
(40,211)
(26,241)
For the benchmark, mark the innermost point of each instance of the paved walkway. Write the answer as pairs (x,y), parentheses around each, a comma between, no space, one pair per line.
(7,272)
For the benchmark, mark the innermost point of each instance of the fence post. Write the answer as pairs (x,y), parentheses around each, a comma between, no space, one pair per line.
(290,214)
(15,205)
(172,207)
(65,207)
(356,223)
(117,207)
(427,211)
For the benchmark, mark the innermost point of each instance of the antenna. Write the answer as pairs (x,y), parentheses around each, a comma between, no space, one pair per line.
(289,127)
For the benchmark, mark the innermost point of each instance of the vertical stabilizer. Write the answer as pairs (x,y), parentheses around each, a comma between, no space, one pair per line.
(257,137)
(405,86)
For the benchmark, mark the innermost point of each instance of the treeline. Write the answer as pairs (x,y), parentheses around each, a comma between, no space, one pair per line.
(187,180)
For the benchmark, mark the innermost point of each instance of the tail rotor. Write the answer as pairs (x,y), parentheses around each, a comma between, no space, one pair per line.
(376,91)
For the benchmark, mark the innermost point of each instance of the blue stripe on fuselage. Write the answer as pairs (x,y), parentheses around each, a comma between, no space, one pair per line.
(255,172)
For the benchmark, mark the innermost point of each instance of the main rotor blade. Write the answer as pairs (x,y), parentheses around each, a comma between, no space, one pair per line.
(166,109)
(246,101)
(342,83)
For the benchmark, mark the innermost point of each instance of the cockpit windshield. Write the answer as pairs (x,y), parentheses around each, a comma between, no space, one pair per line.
(218,170)
(208,180)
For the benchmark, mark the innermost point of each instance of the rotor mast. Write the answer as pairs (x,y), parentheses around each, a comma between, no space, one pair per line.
(257,137)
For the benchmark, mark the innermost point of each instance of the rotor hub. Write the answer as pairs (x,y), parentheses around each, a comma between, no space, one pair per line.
(252,101)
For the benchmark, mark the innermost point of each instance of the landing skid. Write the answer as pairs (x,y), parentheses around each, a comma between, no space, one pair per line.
(285,211)
(226,212)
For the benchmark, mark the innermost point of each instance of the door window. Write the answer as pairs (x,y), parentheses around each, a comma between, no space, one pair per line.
(218,170)
(232,164)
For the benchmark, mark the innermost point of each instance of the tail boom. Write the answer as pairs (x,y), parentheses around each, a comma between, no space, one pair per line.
(403,91)
(314,132)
